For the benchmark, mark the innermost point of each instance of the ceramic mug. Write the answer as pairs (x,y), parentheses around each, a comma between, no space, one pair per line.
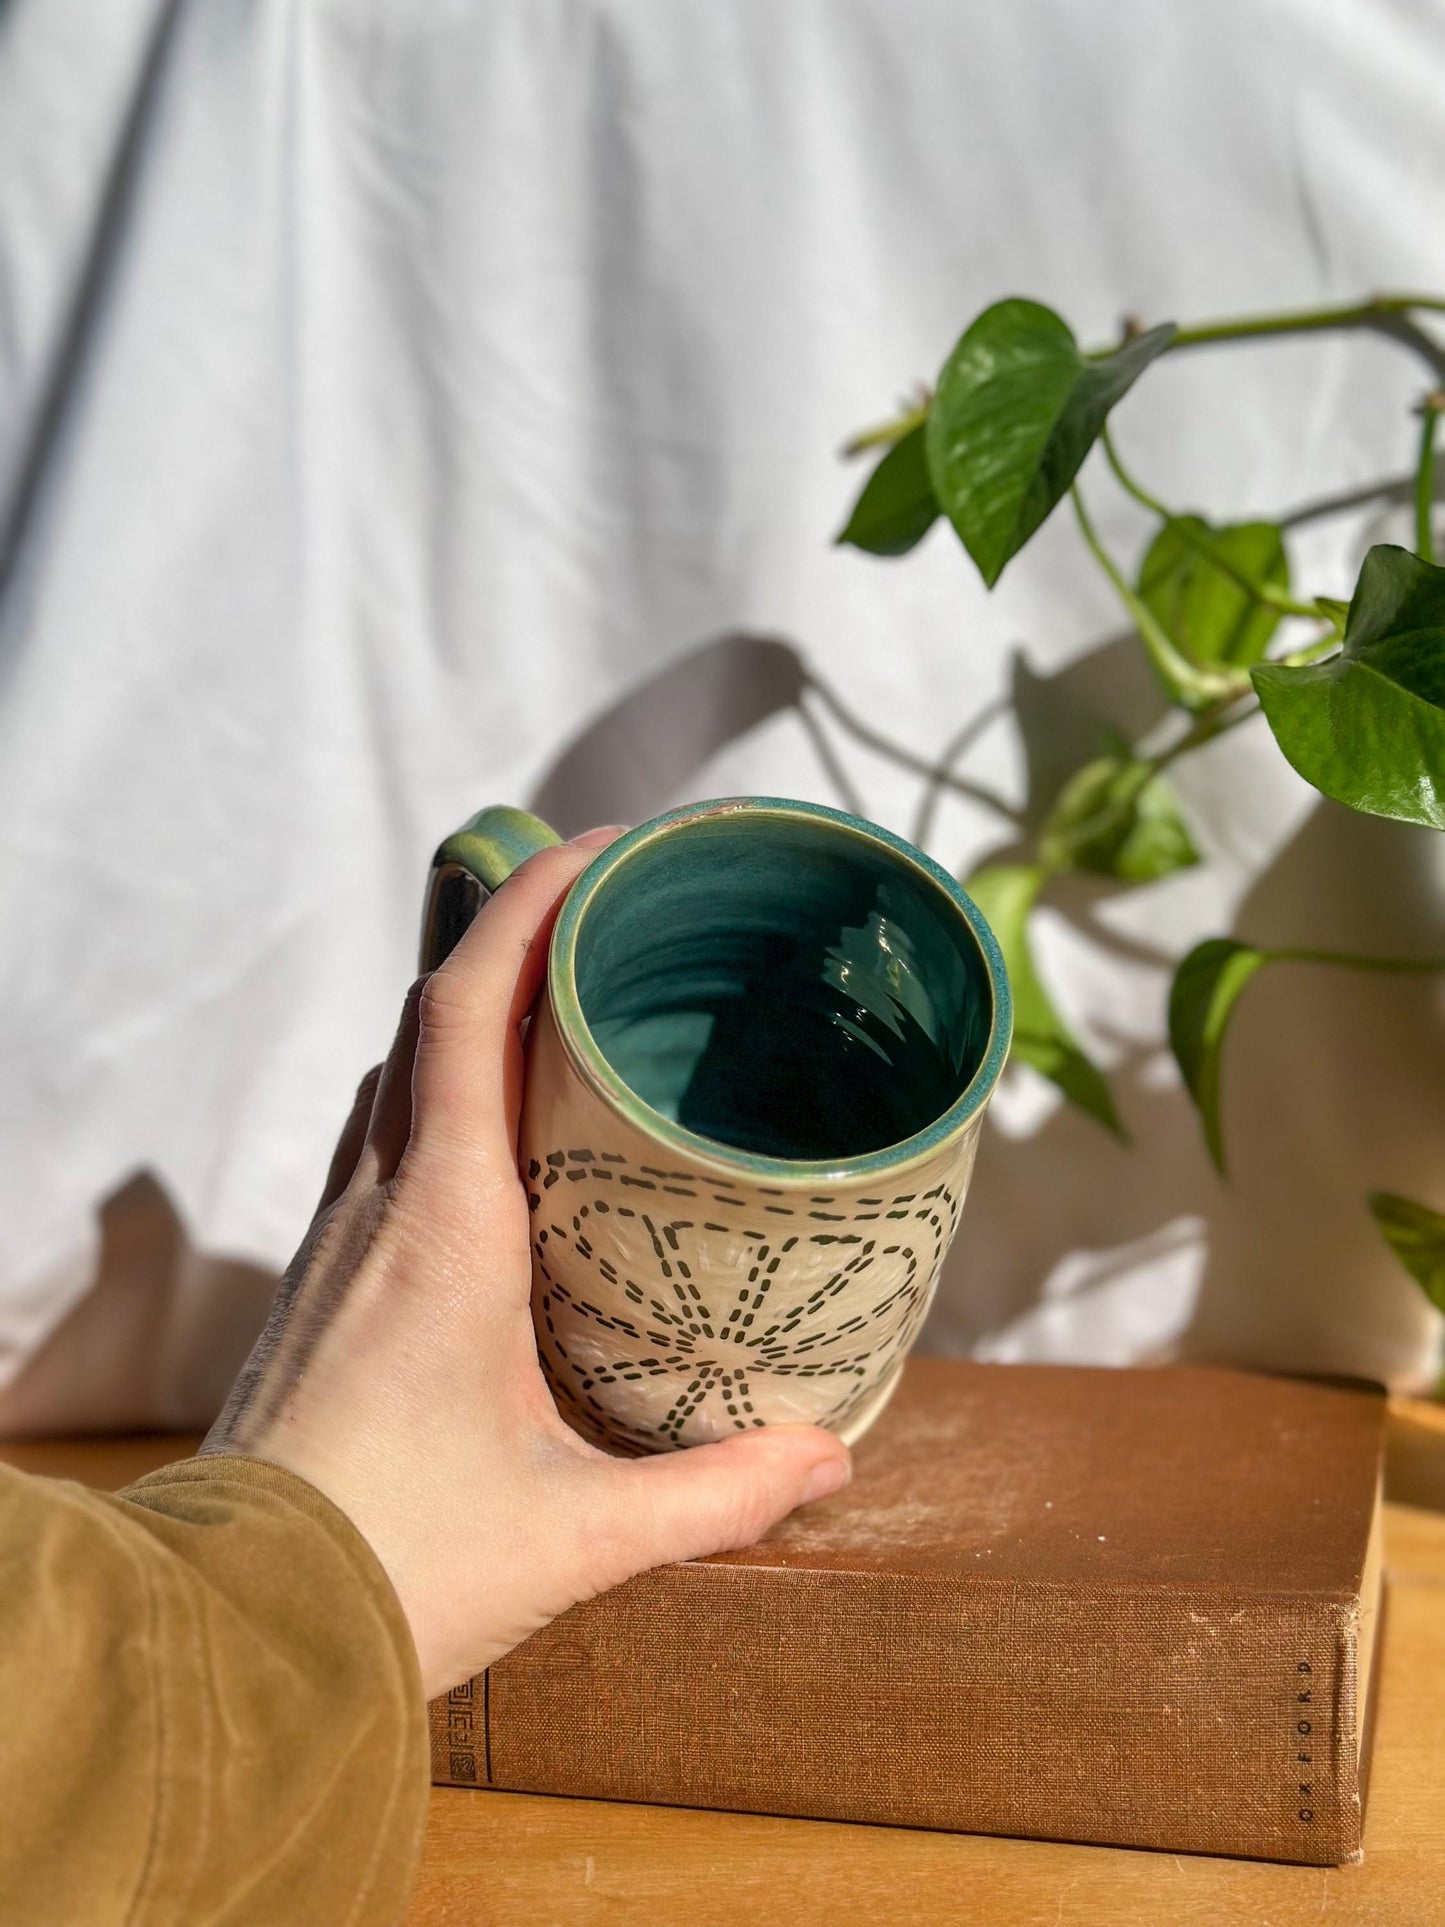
(754,1088)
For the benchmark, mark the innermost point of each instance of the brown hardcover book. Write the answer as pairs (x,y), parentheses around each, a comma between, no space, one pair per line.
(1133,1607)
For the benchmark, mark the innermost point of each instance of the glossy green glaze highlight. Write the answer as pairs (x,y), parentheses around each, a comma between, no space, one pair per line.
(495,842)
(779,989)
(468,866)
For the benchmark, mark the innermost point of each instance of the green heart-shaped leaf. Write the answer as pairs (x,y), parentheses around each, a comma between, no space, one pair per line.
(1006,893)
(1416,1235)
(1367,727)
(1202,998)
(1016,411)
(1113,818)
(897,507)
(1204,607)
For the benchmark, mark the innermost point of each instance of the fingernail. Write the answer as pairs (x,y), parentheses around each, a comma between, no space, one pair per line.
(593,839)
(826,1478)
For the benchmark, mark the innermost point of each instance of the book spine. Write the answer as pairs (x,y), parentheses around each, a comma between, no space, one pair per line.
(1144,1717)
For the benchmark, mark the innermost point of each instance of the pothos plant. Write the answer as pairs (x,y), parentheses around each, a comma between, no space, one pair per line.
(1357,707)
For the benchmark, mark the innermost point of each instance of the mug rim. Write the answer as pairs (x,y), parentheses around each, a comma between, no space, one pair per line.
(587,1058)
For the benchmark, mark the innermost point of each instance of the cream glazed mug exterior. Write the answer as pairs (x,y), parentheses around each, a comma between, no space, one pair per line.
(754,1088)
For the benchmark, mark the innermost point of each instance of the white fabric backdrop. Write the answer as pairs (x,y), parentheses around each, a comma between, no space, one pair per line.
(387,386)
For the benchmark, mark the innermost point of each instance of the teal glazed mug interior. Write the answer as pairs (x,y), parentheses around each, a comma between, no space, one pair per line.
(754,1090)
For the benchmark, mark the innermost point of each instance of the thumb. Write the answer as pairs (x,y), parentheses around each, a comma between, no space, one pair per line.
(714,1498)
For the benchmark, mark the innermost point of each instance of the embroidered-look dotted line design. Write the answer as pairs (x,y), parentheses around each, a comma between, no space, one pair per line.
(716,1337)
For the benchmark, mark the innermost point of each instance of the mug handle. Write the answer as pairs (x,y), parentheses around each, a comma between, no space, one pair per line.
(468,867)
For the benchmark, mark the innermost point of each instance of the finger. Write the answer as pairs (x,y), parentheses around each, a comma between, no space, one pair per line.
(713,1498)
(348,1145)
(512,1069)
(466,1084)
(389,1131)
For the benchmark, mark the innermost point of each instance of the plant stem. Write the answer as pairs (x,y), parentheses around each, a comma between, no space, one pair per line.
(1425,478)
(1127,482)
(1191,685)
(1213,722)
(1267,592)
(885,434)
(1314,651)
(1383,314)
(1390,488)
(1298,321)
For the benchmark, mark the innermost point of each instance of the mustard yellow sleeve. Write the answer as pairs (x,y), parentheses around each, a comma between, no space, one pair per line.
(210,1710)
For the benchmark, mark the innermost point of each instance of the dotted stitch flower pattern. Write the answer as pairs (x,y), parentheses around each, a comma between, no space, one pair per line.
(720,1331)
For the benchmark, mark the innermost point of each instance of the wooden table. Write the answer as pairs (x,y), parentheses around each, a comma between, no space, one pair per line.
(518,1860)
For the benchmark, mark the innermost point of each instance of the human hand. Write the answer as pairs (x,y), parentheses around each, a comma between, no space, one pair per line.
(398,1372)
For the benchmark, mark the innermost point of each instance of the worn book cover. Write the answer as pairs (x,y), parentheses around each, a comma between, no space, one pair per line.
(1133,1607)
